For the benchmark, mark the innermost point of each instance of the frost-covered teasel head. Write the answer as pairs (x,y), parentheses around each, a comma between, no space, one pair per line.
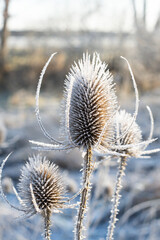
(90,102)
(40,190)
(131,141)
(89,106)
(40,185)
(132,136)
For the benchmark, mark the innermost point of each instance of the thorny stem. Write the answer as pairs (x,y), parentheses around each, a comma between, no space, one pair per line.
(116,198)
(47,224)
(87,170)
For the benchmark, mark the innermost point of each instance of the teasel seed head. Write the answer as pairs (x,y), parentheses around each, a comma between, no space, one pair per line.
(40,187)
(133,135)
(131,143)
(41,190)
(90,102)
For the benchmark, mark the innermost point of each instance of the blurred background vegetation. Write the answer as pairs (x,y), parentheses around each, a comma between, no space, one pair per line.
(131,29)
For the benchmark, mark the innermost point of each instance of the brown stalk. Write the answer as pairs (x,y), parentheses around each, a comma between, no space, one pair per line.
(116,198)
(47,224)
(87,170)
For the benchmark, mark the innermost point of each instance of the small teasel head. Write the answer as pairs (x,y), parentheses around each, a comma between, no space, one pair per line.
(41,189)
(132,136)
(90,102)
(130,142)
(40,185)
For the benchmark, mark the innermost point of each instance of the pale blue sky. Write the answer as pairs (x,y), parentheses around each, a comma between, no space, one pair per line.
(61,14)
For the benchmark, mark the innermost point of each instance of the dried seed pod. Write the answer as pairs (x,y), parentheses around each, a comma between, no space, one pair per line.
(131,142)
(133,136)
(41,187)
(41,190)
(90,102)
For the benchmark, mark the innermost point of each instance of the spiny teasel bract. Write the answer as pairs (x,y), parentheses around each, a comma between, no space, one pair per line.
(40,190)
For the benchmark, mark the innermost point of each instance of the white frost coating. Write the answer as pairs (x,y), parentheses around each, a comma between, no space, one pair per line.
(136,97)
(151,125)
(67,111)
(1,188)
(34,200)
(37,101)
(132,143)
(116,199)
(51,146)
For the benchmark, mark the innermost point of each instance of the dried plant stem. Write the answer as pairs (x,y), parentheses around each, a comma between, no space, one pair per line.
(87,169)
(116,198)
(47,224)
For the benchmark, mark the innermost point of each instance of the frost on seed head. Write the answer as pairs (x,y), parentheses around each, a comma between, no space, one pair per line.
(40,186)
(133,136)
(131,142)
(90,102)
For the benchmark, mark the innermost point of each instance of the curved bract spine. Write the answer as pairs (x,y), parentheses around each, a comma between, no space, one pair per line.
(37,102)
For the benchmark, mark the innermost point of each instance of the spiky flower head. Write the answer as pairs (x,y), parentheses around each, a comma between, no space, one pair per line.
(41,187)
(41,190)
(90,102)
(131,135)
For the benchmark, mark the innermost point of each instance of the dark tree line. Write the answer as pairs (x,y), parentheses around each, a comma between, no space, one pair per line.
(4,36)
